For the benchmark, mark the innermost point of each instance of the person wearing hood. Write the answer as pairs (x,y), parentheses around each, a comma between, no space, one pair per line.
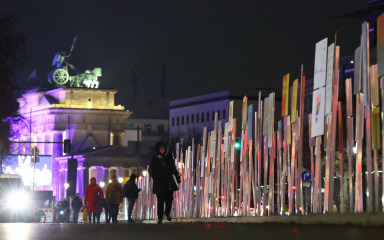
(161,169)
(91,198)
(131,192)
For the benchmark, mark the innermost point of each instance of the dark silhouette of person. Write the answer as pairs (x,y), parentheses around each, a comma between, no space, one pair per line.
(162,169)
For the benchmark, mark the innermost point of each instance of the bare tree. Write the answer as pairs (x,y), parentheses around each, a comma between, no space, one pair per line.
(12,46)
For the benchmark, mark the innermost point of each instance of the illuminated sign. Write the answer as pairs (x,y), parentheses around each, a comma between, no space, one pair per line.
(41,174)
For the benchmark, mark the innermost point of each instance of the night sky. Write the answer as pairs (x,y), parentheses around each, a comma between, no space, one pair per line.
(206,46)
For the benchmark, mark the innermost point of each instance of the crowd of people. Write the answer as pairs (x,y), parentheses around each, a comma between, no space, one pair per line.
(162,169)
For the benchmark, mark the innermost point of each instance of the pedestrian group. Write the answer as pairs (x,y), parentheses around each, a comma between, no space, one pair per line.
(162,170)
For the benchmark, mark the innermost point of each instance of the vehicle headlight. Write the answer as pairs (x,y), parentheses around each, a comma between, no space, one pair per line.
(17,200)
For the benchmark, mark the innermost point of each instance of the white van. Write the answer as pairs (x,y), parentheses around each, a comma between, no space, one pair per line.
(14,199)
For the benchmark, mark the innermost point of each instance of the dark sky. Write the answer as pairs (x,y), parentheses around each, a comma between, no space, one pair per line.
(206,45)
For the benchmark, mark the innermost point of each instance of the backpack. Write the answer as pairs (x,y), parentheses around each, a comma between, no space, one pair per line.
(126,190)
(130,190)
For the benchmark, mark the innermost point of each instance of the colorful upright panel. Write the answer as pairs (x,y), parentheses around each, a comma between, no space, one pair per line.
(295,87)
(318,102)
(250,121)
(375,127)
(365,62)
(380,45)
(329,83)
(266,116)
(244,113)
(320,63)
(357,74)
(230,112)
(374,87)
(348,94)
(271,118)
(285,99)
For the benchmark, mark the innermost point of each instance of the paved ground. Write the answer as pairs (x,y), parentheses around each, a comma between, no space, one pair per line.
(185,231)
(357,219)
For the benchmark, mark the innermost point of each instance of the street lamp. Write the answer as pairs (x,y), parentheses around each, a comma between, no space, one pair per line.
(66,186)
(121,180)
(102,184)
(145,173)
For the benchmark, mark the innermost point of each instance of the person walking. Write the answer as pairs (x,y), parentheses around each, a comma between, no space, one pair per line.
(161,169)
(114,196)
(91,198)
(131,192)
(77,204)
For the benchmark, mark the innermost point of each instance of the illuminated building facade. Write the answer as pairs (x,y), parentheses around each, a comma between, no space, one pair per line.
(87,117)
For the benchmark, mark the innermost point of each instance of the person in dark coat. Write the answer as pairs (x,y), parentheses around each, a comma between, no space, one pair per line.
(131,192)
(161,169)
(91,198)
(77,204)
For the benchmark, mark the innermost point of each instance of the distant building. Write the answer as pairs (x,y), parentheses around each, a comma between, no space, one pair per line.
(147,132)
(189,116)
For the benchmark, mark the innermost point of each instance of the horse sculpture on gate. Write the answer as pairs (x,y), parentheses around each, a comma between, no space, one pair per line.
(87,79)
(60,75)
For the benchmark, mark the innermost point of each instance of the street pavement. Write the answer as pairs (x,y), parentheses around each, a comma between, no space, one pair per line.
(185,231)
(357,219)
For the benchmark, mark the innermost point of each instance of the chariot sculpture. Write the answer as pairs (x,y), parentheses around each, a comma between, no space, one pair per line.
(60,75)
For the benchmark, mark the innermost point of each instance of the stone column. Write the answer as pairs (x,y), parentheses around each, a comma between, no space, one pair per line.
(100,173)
(120,136)
(86,178)
(61,180)
(107,176)
(57,151)
(117,138)
(119,172)
(104,173)
(80,178)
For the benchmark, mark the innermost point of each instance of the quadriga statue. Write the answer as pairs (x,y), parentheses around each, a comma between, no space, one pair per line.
(60,75)
(87,79)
